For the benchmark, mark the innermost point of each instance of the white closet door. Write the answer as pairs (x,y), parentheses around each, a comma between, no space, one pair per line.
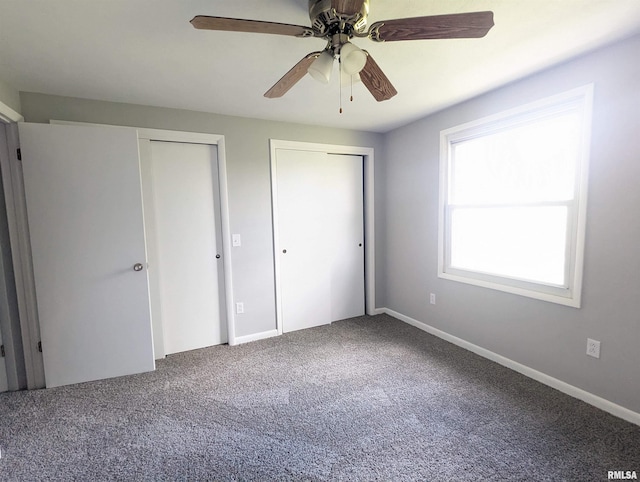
(345,231)
(84,206)
(320,237)
(186,213)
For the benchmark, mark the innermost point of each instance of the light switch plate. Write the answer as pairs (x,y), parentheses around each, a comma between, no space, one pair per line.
(236,240)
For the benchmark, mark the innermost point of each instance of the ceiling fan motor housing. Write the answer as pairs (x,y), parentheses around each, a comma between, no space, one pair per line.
(326,21)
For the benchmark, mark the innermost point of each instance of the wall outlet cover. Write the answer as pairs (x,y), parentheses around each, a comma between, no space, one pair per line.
(593,348)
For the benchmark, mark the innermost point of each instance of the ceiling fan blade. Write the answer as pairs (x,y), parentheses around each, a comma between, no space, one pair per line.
(374,79)
(292,77)
(347,7)
(457,25)
(252,26)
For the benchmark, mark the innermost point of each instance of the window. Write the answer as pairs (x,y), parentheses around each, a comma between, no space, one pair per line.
(513,199)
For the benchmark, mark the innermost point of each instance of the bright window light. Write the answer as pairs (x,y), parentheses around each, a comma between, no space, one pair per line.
(525,243)
(513,199)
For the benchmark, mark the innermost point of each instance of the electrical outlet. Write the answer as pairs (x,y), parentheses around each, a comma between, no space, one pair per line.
(593,348)
(432,298)
(239,308)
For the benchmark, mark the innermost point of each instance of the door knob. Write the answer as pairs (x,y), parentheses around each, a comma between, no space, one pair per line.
(137,267)
(217,256)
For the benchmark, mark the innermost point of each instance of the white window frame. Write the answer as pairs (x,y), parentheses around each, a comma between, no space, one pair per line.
(570,294)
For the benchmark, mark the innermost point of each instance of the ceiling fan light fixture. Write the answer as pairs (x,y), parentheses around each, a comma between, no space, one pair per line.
(353,59)
(321,67)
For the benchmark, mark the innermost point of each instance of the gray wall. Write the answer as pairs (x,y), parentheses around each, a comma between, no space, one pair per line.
(546,337)
(247,152)
(9,96)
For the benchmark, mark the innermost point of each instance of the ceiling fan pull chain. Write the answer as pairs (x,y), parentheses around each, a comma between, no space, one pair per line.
(340,82)
(351,82)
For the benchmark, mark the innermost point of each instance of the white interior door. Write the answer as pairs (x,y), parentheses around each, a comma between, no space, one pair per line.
(186,268)
(320,237)
(84,206)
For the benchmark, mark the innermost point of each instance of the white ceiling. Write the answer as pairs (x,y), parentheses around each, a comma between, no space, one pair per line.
(147,52)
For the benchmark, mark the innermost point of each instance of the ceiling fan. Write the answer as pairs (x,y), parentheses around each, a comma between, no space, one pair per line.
(338,21)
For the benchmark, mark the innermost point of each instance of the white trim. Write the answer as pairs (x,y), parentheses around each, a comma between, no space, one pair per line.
(226,241)
(580,98)
(147,185)
(178,136)
(199,138)
(276,238)
(563,97)
(8,115)
(369,214)
(9,324)
(255,337)
(573,391)
(21,256)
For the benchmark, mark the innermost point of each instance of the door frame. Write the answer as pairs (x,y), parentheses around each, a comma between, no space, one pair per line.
(13,184)
(149,185)
(367,154)
(218,140)
(9,322)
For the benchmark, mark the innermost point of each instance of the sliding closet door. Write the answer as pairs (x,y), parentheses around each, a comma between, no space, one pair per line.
(84,205)
(345,233)
(185,245)
(320,237)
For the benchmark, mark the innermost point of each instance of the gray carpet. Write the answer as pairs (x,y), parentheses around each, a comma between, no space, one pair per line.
(364,399)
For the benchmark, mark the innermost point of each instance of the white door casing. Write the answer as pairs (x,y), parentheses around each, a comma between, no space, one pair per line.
(25,321)
(4,385)
(84,205)
(183,219)
(3,372)
(20,241)
(320,236)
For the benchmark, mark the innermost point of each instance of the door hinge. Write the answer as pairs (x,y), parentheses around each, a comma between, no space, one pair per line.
(19,154)
(2,351)
(40,346)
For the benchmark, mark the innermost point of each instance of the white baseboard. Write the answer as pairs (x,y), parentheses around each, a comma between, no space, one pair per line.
(255,337)
(590,398)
